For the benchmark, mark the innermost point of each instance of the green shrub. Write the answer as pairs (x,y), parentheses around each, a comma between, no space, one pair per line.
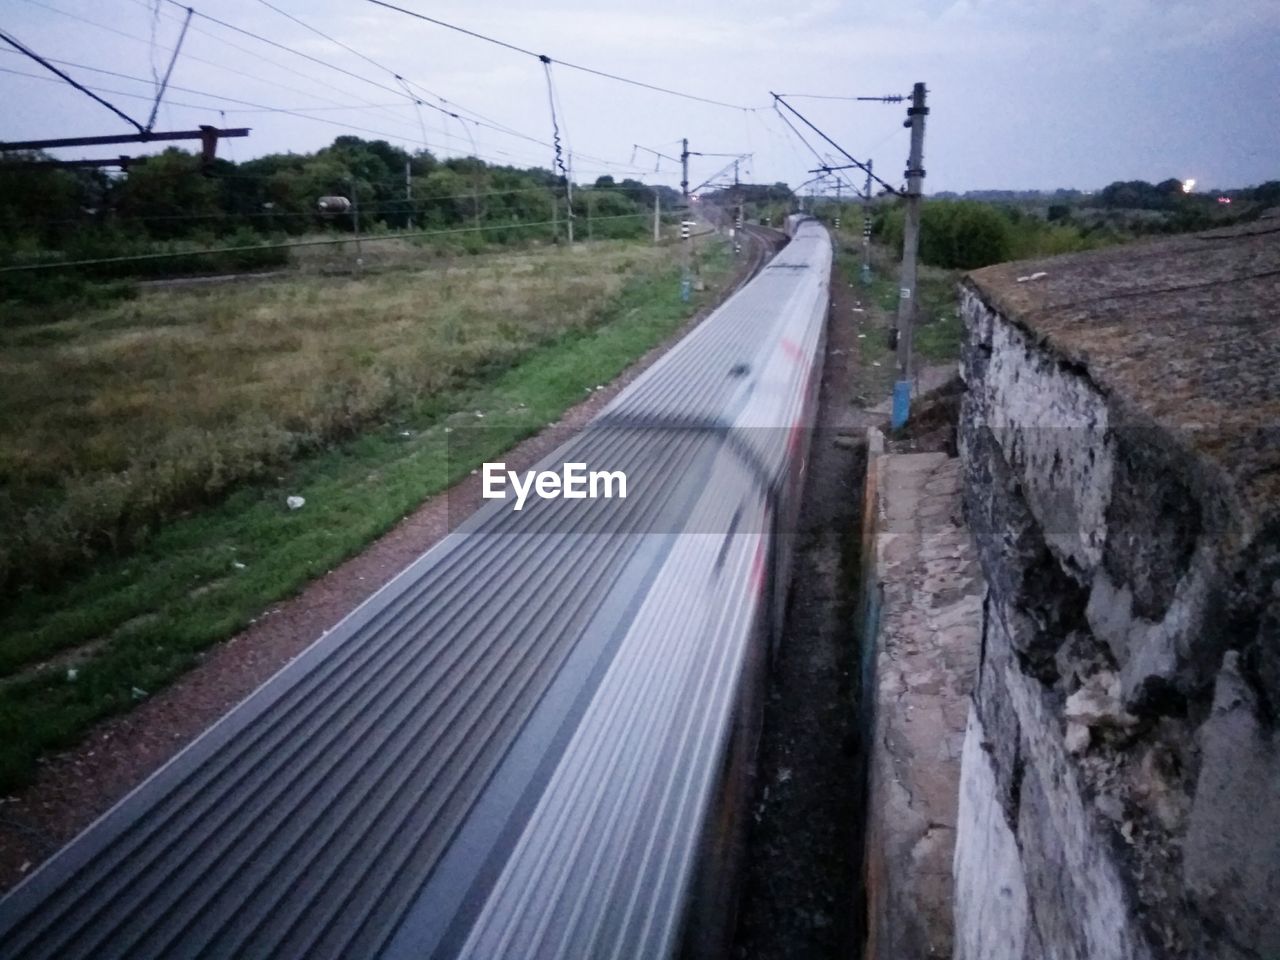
(966,234)
(954,234)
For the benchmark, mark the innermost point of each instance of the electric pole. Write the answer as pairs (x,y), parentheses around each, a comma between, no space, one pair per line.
(355,222)
(866,229)
(408,191)
(910,243)
(657,217)
(568,199)
(686,281)
(684,168)
(737,220)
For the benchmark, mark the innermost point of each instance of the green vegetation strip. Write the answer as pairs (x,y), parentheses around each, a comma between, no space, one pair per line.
(133,625)
(938,331)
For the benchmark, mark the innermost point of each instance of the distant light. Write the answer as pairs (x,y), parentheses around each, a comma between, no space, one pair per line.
(1188,186)
(1224,199)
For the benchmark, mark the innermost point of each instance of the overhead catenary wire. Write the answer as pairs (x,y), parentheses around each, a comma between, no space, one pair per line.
(564,63)
(892,98)
(280,46)
(264,107)
(403,82)
(17,45)
(555,139)
(857,163)
(476,118)
(812,149)
(237,100)
(343,70)
(257,55)
(193,58)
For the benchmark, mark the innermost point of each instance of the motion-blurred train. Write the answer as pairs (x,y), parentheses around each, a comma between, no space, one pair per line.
(534,741)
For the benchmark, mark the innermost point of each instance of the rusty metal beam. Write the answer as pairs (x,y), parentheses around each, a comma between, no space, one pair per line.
(204,134)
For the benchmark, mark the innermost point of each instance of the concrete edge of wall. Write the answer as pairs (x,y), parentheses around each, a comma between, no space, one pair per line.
(920,613)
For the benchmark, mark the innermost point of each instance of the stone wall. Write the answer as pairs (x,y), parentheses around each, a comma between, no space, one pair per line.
(1120,792)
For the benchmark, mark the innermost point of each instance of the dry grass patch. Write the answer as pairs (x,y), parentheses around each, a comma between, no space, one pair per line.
(117,418)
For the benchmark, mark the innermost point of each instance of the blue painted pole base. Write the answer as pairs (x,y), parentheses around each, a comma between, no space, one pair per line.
(901,404)
(866,275)
(686,287)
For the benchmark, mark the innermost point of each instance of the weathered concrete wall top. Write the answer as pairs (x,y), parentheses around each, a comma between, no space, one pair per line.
(1184,331)
(1120,436)
(1136,395)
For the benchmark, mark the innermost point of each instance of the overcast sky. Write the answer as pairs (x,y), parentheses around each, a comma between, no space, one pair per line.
(1023,93)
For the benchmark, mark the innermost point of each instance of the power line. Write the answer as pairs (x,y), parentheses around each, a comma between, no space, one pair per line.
(248,103)
(405,82)
(269,109)
(408,95)
(258,56)
(213,63)
(892,98)
(416,101)
(320,33)
(307,56)
(124,93)
(812,149)
(482,121)
(287,49)
(559,157)
(857,163)
(563,63)
(83,89)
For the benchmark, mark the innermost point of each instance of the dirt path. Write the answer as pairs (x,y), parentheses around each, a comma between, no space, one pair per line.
(798,892)
(74,788)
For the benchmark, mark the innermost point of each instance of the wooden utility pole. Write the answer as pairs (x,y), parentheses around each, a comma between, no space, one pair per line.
(910,244)
(657,217)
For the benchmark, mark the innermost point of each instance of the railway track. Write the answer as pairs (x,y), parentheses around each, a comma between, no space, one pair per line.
(526,744)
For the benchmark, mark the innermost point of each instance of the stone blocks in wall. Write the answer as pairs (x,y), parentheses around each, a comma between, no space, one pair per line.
(1120,436)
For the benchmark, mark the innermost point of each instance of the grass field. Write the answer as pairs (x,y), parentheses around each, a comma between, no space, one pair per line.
(115,419)
(938,330)
(164,433)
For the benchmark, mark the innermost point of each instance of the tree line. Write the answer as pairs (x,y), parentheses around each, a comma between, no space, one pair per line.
(55,213)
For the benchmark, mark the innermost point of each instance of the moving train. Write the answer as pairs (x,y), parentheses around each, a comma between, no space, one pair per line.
(534,741)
